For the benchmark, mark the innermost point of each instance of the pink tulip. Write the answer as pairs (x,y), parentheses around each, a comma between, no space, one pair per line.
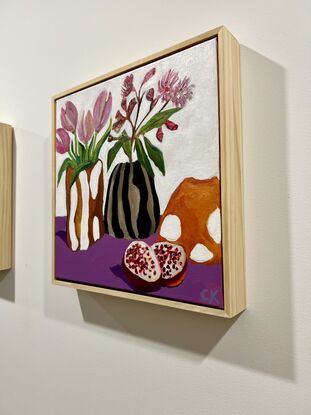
(85,127)
(102,109)
(62,141)
(171,125)
(69,117)
(159,134)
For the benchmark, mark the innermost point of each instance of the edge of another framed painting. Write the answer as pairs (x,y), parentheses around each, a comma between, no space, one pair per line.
(231,175)
(6,144)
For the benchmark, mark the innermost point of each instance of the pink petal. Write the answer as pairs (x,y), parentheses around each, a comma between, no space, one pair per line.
(80,128)
(72,113)
(102,109)
(123,104)
(99,108)
(89,126)
(62,141)
(107,110)
(69,117)
(132,104)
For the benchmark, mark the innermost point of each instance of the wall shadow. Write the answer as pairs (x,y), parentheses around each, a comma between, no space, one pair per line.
(178,329)
(7,277)
(260,339)
(263,338)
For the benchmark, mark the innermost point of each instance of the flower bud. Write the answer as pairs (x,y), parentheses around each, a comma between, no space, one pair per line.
(150,94)
(170,125)
(159,134)
(148,75)
(131,106)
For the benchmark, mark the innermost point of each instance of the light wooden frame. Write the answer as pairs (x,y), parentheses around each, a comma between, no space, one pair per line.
(6,148)
(231,175)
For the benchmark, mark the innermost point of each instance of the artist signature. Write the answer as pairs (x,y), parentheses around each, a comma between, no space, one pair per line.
(211,296)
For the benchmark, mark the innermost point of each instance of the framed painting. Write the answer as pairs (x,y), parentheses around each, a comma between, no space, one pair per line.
(6,140)
(147,181)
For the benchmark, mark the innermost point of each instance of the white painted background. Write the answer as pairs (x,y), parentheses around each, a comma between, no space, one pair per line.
(194,145)
(64,353)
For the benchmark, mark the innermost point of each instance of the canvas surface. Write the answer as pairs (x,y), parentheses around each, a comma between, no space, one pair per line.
(153,180)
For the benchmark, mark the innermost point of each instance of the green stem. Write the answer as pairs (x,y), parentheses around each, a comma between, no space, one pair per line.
(71,155)
(76,143)
(86,152)
(132,151)
(92,145)
(140,100)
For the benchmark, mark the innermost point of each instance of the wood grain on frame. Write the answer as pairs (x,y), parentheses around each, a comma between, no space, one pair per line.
(231,175)
(6,139)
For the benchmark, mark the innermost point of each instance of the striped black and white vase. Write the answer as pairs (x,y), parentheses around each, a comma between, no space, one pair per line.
(132,206)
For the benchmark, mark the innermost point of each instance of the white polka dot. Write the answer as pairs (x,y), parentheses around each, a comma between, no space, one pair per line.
(214,225)
(200,253)
(171,228)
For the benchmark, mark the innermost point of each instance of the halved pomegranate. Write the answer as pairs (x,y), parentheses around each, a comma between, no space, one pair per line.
(141,266)
(173,262)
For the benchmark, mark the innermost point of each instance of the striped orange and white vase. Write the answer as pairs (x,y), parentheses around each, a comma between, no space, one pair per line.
(84,201)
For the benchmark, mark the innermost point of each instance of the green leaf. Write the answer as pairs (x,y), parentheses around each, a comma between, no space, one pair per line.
(143,158)
(66,163)
(78,169)
(127,148)
(95,153)
(113,152)
(157,120)
(81,152)
(156,155)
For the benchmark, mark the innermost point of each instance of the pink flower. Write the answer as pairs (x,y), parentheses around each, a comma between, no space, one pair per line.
(128,86)
(101,110)
(120,120)
(183,92)
(159,134)
(62,141)
(86,127)
(69,117)
(166,85)
(148,75)
(171,125)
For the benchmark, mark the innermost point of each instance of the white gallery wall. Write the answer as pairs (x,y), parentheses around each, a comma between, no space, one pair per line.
(69,353)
